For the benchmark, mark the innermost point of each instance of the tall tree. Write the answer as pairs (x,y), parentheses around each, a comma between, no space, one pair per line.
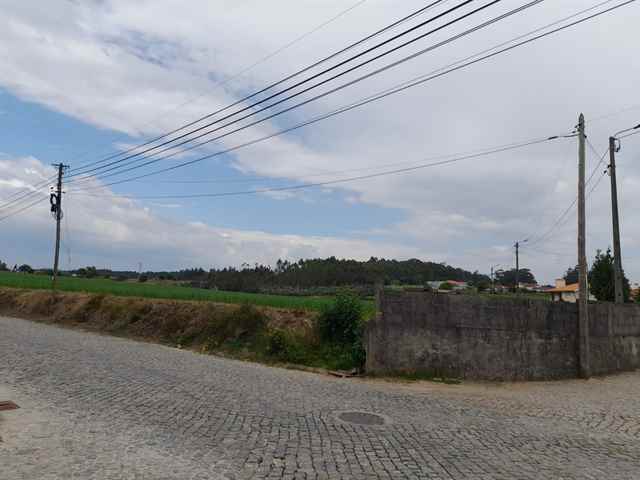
(508,277)
(571,276)
(601,280)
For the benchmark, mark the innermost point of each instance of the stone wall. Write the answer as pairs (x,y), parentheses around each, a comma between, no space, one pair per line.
(496,338)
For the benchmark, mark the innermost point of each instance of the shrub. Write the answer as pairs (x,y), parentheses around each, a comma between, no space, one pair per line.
(285,347)
(341,324)
(341,321)
(143,278)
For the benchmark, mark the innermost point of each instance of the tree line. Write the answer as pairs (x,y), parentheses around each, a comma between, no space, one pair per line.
(332,272)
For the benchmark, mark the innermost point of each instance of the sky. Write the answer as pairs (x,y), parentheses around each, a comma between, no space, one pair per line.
(81,81)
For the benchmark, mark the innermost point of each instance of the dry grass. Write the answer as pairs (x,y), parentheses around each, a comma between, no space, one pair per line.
(189,323)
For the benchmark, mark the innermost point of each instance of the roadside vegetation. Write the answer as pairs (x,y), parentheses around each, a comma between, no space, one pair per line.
(330,339)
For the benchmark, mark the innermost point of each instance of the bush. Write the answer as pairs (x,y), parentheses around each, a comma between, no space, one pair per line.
(341,321)
(285,347)
(142,278)
(341,324)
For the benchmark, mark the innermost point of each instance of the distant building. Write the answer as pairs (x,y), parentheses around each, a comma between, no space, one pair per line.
(529,287)
(458,285)
(566,293)
(437,285)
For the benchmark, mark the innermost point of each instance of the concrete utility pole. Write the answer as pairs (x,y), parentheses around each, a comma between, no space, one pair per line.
(58,216)
(583,301)
(517,246)
(614,147)
(617,258)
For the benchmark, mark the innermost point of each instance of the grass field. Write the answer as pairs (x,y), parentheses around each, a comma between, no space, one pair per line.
(150,290)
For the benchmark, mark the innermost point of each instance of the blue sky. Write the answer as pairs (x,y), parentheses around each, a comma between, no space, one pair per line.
(61,138)
(84,79)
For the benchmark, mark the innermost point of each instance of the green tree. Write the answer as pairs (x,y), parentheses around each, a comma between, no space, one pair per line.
(601,280)
(341,321)
(508,277)
(3,266)
(571,275)
(25,268)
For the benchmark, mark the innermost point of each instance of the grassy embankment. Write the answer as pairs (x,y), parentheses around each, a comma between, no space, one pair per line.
(165,291)
(265,328)
(264,334)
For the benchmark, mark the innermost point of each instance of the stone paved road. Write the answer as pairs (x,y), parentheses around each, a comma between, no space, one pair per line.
(106,408)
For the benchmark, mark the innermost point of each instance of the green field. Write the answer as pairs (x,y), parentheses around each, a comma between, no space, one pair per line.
(151,290)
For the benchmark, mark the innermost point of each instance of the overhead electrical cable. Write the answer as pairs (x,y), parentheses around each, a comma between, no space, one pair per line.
(333,182)
(229,79)
(628,135)
(404,86)
(27,207)
(25,192)
(121,170)
(294,75)
(560,220)
(300,83)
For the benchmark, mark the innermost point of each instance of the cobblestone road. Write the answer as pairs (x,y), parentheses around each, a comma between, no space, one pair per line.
(107,408)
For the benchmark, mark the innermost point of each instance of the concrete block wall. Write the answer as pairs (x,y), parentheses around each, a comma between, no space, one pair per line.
(496,338)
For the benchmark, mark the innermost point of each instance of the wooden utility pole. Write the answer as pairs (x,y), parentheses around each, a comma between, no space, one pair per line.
(58,216)
(617,258)
(583,300)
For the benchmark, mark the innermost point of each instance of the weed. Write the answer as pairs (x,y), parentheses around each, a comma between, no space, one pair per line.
(288,347)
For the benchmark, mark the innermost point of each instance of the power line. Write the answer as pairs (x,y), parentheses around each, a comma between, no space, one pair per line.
(560,220)
(614,113)
(417,81)
(404,86)
(28,191)
(289,77)
(27,207)
(595,186)
(253,112)
(339,172)
(229,79)
(332,182)
(122,170)
(628,135)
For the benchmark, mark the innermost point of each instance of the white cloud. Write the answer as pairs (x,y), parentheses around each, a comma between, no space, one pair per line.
(120,231)
(119,65)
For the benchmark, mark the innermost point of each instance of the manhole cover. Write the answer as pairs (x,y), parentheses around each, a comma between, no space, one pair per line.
(362,418)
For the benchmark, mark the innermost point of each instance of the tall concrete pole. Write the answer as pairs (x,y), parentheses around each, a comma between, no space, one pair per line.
(58,213)
(583,305)
(617,258)
(517,266)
